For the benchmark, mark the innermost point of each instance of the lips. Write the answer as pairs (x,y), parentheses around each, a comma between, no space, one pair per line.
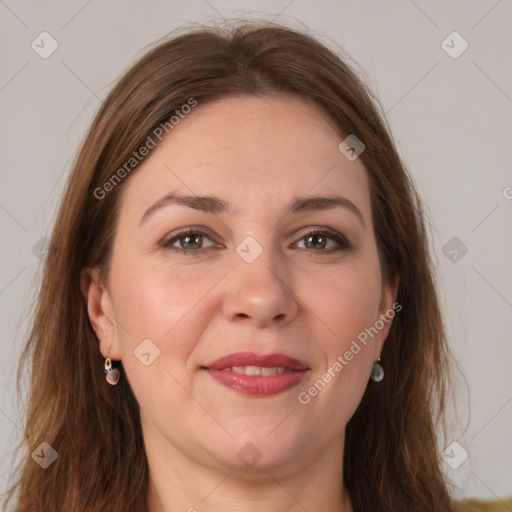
(257,375)
(252,359)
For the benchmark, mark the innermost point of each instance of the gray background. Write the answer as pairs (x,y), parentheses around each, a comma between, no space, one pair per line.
(450,116)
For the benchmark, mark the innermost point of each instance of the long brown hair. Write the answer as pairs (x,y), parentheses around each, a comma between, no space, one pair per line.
(391,460)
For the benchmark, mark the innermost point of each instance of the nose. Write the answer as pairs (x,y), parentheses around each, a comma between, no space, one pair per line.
(260,293)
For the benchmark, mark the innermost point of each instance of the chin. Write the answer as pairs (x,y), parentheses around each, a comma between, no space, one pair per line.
(254,449)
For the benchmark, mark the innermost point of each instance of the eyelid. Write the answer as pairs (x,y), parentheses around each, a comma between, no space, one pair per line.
(182,232)
(338,237)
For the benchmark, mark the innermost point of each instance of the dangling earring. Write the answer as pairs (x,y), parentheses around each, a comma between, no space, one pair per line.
(377,373)
(113,374)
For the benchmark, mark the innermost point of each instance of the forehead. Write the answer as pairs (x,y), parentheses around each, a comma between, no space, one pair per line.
(252,151)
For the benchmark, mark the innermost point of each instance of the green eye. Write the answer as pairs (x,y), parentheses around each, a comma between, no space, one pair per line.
(318,241)
(191,241)
(321,240)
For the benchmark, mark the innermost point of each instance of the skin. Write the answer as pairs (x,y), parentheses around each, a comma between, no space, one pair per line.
(296,298)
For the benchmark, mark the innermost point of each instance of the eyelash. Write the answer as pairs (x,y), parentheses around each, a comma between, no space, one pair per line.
(331,234)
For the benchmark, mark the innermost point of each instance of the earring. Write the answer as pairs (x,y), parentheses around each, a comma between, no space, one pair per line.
(377,373)
(113,374)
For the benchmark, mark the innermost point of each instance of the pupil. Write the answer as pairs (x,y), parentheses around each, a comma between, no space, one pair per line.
(189,238)
(316,237)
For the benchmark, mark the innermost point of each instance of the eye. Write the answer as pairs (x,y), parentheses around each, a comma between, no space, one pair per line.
(324,240)
(189,241)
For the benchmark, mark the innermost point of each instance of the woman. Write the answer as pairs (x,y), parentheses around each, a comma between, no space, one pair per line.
(237,310)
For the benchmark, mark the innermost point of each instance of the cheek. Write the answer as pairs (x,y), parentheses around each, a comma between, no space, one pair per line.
(165,306)
(159,304)
(153,299)
(347,303)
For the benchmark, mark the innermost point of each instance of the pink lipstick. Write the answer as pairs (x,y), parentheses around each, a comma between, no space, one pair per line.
(257,375)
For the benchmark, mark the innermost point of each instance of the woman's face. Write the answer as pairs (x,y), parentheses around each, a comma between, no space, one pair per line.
(246,341)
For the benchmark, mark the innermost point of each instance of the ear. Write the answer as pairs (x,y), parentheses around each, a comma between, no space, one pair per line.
(388,308)
(100,312)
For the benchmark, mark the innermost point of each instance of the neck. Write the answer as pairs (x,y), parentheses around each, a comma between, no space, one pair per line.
(179,483)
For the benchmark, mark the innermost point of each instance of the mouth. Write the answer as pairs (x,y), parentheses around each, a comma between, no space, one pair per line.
(257,375)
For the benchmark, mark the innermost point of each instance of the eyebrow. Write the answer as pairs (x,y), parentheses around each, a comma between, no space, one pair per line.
(216,205)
